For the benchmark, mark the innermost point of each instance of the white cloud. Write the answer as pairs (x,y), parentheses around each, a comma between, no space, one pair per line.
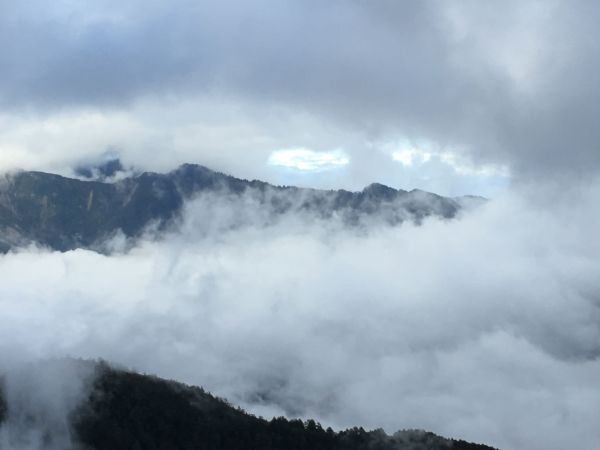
(411,156)
(432,167)
(463,166)
(414,158)
(228,136)
(457,327)
(308,160)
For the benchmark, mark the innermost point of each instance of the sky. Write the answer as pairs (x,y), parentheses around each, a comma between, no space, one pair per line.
(481,93)
(486,327)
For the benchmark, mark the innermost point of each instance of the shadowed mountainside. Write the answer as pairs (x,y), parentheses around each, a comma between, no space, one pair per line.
(66,213)
(126,410)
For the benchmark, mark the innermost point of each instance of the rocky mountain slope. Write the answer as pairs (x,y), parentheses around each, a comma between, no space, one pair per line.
(66,213)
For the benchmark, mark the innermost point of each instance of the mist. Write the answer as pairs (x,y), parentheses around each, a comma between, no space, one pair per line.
(484,327)
(40,398)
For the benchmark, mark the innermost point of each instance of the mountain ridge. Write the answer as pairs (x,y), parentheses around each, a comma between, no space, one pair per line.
(65,213)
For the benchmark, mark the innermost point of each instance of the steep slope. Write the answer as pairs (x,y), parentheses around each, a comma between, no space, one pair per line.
(125,410)
(65,213)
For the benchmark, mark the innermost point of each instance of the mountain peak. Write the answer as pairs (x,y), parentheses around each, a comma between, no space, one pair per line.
(100,171)
(381,191)
(379,187)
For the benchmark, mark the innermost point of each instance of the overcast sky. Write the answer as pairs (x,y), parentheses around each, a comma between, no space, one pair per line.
(455,97)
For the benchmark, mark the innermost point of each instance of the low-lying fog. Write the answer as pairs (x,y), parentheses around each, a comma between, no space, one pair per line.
(486,327)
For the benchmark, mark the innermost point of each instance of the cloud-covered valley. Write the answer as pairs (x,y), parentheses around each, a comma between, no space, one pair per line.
(485,327)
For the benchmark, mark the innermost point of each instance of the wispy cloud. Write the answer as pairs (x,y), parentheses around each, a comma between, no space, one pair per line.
(308,160)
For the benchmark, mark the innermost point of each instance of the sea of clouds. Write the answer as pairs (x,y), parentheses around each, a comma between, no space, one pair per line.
(485,327)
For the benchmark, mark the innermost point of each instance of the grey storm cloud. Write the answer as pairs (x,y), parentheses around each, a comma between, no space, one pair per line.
(504,82)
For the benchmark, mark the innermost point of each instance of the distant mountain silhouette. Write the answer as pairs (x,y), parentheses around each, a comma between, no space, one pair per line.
(128,411)
(66,213)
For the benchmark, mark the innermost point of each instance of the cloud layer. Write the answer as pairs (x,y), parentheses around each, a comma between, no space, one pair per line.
(502,83)
(484,328)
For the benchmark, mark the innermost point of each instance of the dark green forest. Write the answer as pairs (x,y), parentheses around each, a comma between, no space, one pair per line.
(127,411)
